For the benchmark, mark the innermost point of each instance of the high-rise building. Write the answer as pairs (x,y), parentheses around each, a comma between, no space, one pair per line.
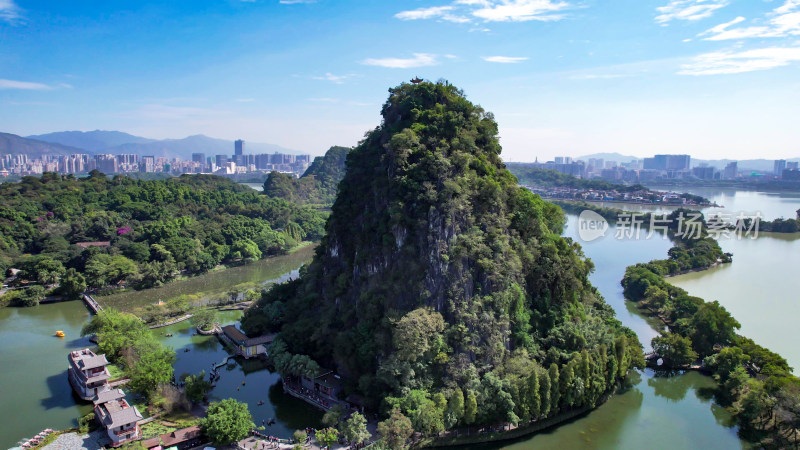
(238,147)
(703,173)
(780,164)
(793,165)
(790,175)
(199,157)
(147,164)
(106,163)
(668,162)
(221,160)
(731,171)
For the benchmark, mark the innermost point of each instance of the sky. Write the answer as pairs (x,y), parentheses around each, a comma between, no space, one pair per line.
(712,78)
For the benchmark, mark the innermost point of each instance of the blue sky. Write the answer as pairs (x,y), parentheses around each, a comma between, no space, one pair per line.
(714,78)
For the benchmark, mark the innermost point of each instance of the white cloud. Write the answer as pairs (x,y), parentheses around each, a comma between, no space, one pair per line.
(718,63)
(489,11)
(424,13)
(9,11)
(688,10)
(505,59)
(520,10)
(419,60)
(338,79)
(24,85)
(784,21)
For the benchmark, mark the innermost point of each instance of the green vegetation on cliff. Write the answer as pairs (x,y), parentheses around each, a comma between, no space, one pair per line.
(317,186)
(442,291)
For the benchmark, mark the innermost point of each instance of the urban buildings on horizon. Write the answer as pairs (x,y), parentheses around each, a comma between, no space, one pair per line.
(238,163)
(663,167)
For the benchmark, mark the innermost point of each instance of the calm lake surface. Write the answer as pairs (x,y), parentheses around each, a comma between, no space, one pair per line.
(761,289)
(35,393)
(214,286)
(672,412)
(771,205)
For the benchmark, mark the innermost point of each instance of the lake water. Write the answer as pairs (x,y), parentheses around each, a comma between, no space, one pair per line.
(214,286)
(672,412)
(771,205)
(35,393)
(761,289)
(259,383)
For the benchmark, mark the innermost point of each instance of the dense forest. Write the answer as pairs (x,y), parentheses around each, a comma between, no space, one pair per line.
(318,184)
(756,385)
(101,233)
(443,293)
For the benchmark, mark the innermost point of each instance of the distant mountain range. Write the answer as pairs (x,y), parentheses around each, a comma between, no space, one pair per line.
(719,164)
(117,142)
(13,144)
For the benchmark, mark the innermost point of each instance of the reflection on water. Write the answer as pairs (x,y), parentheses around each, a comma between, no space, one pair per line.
(249,381)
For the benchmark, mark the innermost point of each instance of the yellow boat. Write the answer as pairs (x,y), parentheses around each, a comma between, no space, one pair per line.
(59,333)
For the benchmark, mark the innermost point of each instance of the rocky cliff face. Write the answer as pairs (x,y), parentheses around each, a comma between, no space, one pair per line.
(427,217)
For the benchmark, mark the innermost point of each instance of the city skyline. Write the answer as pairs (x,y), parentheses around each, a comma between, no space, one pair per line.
(713,78)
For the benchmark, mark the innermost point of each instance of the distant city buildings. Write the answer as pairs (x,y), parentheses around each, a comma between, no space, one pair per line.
(676,163)
(238,163)
(564,164)
(780,166)
(731,171)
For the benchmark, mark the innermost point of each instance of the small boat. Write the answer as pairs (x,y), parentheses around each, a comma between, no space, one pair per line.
(186,351)
(271,422)
(168,335)
(260,402)
(60,334)
(243,383)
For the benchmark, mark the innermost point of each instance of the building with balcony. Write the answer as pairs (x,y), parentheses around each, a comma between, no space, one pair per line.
(117,416)
(87,373)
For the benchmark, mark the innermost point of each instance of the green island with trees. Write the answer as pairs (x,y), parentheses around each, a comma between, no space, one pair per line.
(442,292)
(755,384)
(64,235)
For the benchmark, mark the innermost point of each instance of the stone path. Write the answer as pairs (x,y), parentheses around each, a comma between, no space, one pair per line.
(75,441)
